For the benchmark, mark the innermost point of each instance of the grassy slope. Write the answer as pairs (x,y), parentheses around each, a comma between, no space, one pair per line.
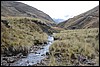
(89,19)
(19,34)
(14,8)
(70,44)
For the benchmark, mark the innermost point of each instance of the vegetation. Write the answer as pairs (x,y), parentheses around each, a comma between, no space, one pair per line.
(71,45)
(57,29)
(89,19)
(19,34)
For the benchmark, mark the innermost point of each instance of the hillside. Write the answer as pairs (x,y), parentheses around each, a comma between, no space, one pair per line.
(29,36)
(13,9)
(19,34)
(89,19)
(22,27)
(79,47)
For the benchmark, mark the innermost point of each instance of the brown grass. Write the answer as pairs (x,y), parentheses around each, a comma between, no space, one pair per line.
(71,43)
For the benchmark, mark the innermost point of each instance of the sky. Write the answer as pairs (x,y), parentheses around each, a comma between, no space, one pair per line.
(62,9)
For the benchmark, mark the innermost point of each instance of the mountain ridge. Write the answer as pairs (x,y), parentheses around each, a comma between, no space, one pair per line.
(13,8)
(89,19)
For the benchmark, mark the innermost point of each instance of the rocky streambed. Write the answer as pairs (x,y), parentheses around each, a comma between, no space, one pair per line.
(35,56)
(39,56)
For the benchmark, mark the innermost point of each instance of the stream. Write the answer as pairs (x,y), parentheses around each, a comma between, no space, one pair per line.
(34,58)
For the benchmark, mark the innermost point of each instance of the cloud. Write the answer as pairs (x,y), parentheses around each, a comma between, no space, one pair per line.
(63,9)
(67,16)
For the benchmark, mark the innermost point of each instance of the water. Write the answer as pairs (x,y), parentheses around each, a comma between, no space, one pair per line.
(33,58)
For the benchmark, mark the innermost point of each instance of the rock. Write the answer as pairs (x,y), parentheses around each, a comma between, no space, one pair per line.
(38,53)
(11,60)
(76,63)
(73,56)
(8,53)
(43,55)
(27,61)
(30,64)
(58,59)
(4,58)
(47,53)
(97,36)
(19,55)
(23,56)
(56,38)
(6,23)
(90,62)
(41,48)
(43,63)
(81,59)
(45,42)
(4,63)
(47,57)
(32,51)
(37,63)
(57,55)
(35,52)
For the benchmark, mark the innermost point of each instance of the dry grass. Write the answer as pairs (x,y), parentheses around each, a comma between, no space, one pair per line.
(21,34)
(71,43)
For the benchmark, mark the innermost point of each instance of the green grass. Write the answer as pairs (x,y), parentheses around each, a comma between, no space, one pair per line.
(21,35)
(71,43)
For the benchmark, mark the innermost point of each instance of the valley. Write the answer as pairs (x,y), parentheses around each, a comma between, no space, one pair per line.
(30,37)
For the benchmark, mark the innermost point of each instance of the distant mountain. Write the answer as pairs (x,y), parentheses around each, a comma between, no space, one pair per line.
(89,19)
(13,8)
(58,20)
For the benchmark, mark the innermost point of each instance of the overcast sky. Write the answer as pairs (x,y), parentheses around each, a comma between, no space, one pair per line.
(63,9)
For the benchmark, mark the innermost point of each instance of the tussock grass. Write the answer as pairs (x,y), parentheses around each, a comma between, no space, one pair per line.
(21,34)
(70,44)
